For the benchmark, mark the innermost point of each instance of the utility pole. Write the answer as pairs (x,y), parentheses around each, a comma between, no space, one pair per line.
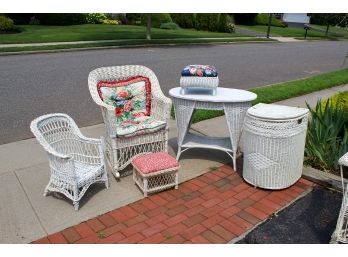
(269,24)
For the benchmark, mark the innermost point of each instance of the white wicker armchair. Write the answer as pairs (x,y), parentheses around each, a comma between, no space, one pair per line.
(341,232)
(120,150)
(76,162)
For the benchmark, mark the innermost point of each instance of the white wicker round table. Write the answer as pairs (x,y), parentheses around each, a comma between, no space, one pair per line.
(234,102)
(274,141)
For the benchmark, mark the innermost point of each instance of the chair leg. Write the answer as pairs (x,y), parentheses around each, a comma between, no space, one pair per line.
(76,205)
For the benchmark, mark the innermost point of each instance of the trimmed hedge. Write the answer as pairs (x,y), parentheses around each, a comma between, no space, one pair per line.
(169,25)
(156,19)
(184,20)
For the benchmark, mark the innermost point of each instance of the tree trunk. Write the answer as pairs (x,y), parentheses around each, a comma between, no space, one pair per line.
(269,24)
(327,30)
(148,27)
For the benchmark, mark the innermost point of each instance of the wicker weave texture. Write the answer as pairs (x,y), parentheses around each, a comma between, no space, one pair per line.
(75,161)
(120,151)
(273,151)
(234,112)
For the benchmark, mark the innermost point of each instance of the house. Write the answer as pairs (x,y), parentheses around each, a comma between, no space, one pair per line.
(294,19)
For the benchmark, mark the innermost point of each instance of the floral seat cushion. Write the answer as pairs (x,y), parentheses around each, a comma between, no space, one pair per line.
(139,126)
(131,97)
(198,70)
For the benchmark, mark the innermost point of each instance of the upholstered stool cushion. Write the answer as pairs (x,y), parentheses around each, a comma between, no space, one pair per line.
(155,172)
(153,162)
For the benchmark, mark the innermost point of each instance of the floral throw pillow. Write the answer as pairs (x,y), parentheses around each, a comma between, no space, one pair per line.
(198,70)
(131,97)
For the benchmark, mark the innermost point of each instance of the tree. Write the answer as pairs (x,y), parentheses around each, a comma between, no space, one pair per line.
(148,27)
(329,19)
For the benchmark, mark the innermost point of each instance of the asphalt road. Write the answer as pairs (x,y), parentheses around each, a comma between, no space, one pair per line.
(35,84)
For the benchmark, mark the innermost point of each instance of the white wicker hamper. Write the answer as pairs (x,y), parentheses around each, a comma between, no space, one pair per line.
(274,141)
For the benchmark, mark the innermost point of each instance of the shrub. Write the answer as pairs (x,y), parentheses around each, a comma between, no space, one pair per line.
(34,21)
(61,18)
(327,137)
(6,23)
(262,19)
(184,20)
(95,18)
(132,18)
(156,19)
(342,100)
(244,18)
(110,22)
(225,23)
(169,25)
(207,21)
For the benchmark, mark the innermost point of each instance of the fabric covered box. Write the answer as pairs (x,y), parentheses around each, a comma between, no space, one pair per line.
(199,76)
(154,172)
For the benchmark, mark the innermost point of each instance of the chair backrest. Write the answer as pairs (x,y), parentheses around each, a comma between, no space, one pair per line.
(54,132)
(119,73)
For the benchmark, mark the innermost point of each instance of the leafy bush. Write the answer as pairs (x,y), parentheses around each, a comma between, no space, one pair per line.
(327,137)
(342,100)
(132,18)
(262,19)
(207,21)
(244,18)
(156,19)
(110,22)
(169,25)
(184,20)
(95,18)
(62,18)
(6,23)
(225,23)
(34,21)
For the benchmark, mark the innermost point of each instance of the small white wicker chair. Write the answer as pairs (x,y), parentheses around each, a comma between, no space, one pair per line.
(76,162)
(341,232)
(121,150)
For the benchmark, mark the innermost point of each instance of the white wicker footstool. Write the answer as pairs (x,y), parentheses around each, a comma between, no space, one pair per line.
(274,141)
(154,172)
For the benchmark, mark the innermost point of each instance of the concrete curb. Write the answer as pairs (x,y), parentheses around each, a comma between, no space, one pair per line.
(130,46)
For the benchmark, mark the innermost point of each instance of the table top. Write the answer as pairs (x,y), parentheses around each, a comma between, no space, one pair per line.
(223,95)
(276,112)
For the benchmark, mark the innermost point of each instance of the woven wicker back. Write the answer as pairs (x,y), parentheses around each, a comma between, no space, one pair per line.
(54,130)
(118,73)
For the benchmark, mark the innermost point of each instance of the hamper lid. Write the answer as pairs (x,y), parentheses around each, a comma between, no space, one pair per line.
(276,112)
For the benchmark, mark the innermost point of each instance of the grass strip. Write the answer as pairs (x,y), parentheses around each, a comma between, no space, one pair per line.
(285,90)
(126,43)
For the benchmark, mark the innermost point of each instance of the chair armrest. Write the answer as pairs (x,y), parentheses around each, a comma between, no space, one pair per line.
(343,160)
(160,108)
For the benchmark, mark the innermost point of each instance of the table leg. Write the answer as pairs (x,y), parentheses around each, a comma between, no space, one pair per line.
(183,114)
(235,113)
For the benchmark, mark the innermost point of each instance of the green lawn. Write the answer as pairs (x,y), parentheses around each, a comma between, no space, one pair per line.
(285,90)
(86,32)
(285,32)
(341,31)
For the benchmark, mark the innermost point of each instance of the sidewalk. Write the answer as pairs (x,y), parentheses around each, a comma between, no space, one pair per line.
(27,216)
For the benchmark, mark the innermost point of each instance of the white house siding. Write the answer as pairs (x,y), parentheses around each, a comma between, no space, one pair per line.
(296,18)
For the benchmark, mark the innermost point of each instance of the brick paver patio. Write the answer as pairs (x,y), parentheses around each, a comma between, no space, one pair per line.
(213,208)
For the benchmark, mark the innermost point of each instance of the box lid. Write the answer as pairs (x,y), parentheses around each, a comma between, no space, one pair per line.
(276,112)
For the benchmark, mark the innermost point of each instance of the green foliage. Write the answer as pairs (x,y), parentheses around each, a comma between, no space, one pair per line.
(341,99)
(169,25)
(110,22)
(244,18)
(207,21)
(6,23)
(225,23)
(62,18)
(95,18)
(184,20)
(34,21)
(156,19)
(333,19)
(262,19)
(327,137)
